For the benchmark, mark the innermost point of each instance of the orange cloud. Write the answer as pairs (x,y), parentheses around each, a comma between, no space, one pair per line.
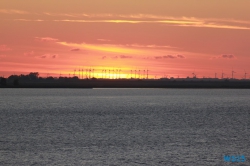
(103,48)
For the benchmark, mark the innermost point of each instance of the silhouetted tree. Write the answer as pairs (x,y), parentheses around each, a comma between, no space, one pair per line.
(13,77)
(75,78)
(34,75)
(3,81)
(50,78)
(24,77)
(16,82)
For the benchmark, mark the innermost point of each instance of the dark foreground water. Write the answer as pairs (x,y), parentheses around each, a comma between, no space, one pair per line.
(124,126)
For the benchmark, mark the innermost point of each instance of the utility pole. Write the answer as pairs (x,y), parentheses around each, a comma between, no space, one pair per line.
(233,74)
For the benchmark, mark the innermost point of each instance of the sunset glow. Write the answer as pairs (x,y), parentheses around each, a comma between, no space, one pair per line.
(167,38)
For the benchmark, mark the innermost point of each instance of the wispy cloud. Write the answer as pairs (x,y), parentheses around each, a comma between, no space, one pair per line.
(132,21)
(183,23)
(51,56)
(177,21)
(54,56)
(4,48)
(118,57)
(180,56)
(100,21)
(29,20)
(103,48)
(144,17)
(170,57)
(118,48)
(160,18)
(221,23)
(59,14)
(28,53)
(103,40)
(225,56)
(46,39)
(212,25)
(75,49)
(13,11)
(149,46)
(2,56)
(125,56)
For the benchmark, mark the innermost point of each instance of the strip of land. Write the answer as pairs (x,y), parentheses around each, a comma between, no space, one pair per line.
(127,83)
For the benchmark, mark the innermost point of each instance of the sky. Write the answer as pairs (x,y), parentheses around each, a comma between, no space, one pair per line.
(168,38)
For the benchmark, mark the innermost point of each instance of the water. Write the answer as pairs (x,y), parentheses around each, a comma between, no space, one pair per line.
(123,126)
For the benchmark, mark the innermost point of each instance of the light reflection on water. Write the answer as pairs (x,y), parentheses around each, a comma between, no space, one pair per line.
(123,126)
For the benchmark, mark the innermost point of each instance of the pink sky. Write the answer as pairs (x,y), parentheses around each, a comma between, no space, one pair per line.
(171,38)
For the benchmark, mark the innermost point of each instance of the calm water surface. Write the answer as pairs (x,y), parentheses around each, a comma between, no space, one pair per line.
(123,126)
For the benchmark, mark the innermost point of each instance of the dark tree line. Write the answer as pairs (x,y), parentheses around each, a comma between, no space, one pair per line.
(30,76)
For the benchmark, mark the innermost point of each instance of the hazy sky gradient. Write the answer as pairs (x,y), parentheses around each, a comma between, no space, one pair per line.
(173,38)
